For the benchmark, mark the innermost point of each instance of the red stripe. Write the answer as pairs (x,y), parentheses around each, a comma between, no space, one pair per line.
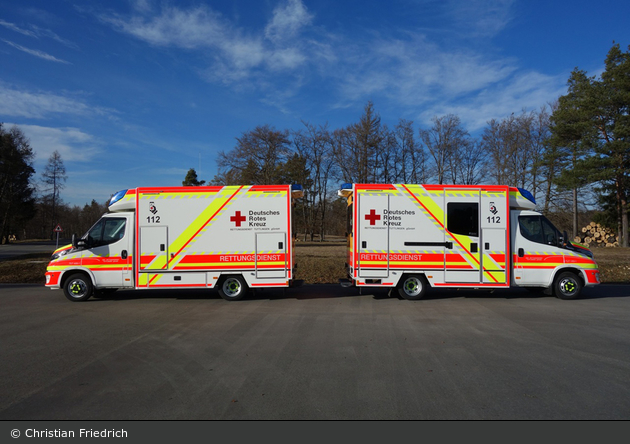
(373,187)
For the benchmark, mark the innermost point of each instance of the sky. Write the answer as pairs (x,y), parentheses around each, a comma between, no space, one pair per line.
(136,92)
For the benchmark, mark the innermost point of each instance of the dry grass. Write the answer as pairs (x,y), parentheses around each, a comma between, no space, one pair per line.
(614,264)
(318,263)
(27,269)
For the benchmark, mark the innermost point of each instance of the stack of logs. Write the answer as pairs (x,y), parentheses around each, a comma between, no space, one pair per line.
(597,236)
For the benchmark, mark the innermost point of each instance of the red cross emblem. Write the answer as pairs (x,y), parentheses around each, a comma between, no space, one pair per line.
(372,217)
(237,218)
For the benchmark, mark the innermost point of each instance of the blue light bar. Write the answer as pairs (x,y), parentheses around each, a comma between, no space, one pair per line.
(117,196)
(296,187)
(346,186)
(527,195)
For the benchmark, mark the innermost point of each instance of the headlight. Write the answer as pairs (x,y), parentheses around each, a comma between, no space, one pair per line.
(58,255)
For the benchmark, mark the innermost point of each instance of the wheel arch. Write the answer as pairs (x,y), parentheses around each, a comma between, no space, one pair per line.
(575,270)
(65,274)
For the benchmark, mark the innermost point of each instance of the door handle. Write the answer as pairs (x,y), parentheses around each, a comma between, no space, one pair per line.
(487,245)
(280,245)
(521,252)
(123,254)
(473,247)
(364,244)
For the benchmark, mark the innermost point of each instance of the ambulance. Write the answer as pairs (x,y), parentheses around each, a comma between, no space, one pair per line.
(232,238)
(413,237)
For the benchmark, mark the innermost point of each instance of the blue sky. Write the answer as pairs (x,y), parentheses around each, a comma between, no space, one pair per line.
(135,92)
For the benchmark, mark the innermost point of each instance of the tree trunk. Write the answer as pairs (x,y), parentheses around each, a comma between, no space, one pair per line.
(575,213)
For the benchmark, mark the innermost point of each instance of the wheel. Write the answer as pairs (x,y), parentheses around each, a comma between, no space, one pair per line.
(233,288)
(567,286)
(413,287)
(78,287)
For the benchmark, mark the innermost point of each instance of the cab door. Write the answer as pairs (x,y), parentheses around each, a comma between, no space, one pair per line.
(373,234)
(108,254)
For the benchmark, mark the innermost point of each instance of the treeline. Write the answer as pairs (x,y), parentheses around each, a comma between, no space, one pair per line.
(512,151)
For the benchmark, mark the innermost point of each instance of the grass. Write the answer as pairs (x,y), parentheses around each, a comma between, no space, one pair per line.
(318,263)
(614,264)
(26,269)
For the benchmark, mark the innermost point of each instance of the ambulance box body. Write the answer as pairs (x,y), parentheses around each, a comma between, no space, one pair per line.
(231,238)
(412,237)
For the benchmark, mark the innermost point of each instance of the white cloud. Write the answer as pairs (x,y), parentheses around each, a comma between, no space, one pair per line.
(73,144)
(482,17)
(35,52)
(287,21)
(37,32)
(19,103)
(16,28)
(415,71)
(236,54)
(527,91)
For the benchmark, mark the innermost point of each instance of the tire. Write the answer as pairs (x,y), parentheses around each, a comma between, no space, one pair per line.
(413,287)
(233,288)
(567,286)
(78,287)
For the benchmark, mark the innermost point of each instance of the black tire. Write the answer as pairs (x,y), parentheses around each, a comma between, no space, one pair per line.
(567,286)
(78,287)
(413,287)
(233,288)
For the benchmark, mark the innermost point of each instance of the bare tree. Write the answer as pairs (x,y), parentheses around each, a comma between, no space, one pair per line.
(358,148)
(258,157)
(446,140)
(314,144)
(53,178)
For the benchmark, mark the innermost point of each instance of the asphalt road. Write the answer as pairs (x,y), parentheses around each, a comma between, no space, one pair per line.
(317,352)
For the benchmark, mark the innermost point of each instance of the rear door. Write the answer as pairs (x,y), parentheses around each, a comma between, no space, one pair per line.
(271,257)
(373,234)
(494,209)
(462,258)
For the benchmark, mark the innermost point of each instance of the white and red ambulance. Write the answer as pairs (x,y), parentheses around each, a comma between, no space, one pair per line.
(227,237)
(412,237)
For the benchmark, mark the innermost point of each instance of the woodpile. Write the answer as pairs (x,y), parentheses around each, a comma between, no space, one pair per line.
(597,236)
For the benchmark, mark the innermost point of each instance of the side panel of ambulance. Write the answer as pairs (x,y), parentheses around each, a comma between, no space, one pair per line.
(230,238)
(415,236)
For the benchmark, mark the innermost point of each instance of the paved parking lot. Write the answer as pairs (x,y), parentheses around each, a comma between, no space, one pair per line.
(317,352)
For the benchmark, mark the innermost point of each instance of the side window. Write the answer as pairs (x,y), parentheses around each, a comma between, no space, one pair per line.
(550,233)
(106,231)
(463,218)
(531,229)
(538,229)
(113,231)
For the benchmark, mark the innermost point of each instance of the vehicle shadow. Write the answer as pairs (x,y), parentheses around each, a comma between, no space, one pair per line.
(330,291)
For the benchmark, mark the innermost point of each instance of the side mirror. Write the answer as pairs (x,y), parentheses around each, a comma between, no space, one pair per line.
(78,243)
